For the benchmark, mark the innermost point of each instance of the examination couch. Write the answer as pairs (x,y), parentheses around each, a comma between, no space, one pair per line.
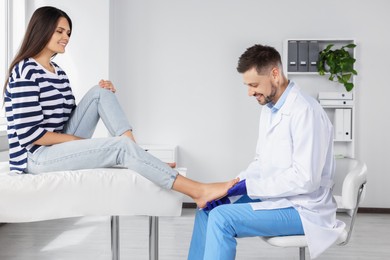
(98,192)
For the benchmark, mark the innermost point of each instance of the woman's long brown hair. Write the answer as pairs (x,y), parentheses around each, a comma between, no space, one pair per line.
(39,31)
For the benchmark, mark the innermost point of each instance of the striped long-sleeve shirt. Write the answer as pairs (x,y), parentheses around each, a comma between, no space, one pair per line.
(36,101)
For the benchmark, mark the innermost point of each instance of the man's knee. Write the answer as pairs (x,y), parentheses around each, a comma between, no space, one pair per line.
(218,217)
(220,223)
(201,216)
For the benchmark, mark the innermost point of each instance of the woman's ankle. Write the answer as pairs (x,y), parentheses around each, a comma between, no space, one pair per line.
(130,135)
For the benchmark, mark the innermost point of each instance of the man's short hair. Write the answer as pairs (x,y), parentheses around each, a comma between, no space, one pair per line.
(261,57)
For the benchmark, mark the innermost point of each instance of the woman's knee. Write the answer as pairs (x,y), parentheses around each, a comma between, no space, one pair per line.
(125,143)
(97,91)
(130,147)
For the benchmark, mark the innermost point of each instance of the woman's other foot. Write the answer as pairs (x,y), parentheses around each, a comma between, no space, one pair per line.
(172,164)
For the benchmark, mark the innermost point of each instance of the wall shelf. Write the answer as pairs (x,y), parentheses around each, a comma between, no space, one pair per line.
(342,110)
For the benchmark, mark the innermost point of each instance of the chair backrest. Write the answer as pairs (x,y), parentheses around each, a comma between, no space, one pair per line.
(352,184)
(353,192)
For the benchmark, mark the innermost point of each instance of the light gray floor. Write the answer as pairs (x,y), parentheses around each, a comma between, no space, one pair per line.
(88,238)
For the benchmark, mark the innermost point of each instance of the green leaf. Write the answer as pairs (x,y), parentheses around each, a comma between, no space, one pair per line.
(351,46)
(340,80)
(346,77)
(348,86)
(328,47)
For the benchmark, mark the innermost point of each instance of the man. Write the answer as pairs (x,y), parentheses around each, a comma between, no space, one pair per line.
(286,190)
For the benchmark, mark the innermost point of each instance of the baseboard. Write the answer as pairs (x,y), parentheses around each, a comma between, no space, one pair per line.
(374,210)
(189,205)
(192,205)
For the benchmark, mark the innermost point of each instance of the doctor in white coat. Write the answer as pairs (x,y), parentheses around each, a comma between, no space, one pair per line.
(286,190)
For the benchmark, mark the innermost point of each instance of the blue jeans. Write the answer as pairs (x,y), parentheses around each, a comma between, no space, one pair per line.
(116,151)
(215,232)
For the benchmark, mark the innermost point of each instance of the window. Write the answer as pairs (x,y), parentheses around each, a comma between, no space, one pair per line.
(3,56)
(12,26)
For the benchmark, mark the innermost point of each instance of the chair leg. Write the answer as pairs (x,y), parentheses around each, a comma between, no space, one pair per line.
(302,255)
(153,238)
(115,237)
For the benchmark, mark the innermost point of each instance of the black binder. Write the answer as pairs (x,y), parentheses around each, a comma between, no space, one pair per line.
(292,59)
(313,55)
(303,56)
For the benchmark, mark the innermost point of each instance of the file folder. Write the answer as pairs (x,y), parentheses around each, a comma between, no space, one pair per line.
(347,124)
(292,56)
(342,124)
(338,124)
(303,56)
(313,55)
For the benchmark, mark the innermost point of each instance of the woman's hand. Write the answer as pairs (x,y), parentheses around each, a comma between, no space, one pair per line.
(107,85)
(50,138)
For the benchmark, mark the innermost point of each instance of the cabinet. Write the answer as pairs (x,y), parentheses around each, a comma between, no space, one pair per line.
(166,153)
(299,59)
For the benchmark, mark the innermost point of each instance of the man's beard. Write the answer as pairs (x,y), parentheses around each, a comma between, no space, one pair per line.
(271,96)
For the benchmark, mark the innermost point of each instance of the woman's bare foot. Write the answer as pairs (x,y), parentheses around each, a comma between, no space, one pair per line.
(202,193)
(213,191)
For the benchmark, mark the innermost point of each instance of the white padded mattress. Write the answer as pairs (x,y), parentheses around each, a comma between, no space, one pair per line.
(105,192)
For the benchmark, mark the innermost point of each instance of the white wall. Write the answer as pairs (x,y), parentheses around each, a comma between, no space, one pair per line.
(86,58)
(174,64)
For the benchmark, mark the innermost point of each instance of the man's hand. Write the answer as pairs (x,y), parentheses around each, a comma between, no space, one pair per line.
(238,189)
(50,138)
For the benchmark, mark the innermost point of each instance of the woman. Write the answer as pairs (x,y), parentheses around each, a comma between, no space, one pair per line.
(48,132)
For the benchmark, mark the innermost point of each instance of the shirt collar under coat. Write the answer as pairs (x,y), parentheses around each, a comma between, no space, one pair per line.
(285,105)
(275,108)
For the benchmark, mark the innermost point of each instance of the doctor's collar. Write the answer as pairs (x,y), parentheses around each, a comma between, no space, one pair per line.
(275,107)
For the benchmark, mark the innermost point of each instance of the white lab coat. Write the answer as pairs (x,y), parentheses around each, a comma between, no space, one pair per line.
(294,166)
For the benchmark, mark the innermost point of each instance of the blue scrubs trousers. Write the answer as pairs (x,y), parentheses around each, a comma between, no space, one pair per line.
(215,232)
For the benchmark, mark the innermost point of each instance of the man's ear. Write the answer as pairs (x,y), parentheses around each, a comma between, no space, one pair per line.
(275,72)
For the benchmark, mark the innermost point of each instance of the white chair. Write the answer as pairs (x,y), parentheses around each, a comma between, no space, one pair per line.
(352,193)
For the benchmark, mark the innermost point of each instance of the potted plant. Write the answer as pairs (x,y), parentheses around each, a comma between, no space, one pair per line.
(339,63)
